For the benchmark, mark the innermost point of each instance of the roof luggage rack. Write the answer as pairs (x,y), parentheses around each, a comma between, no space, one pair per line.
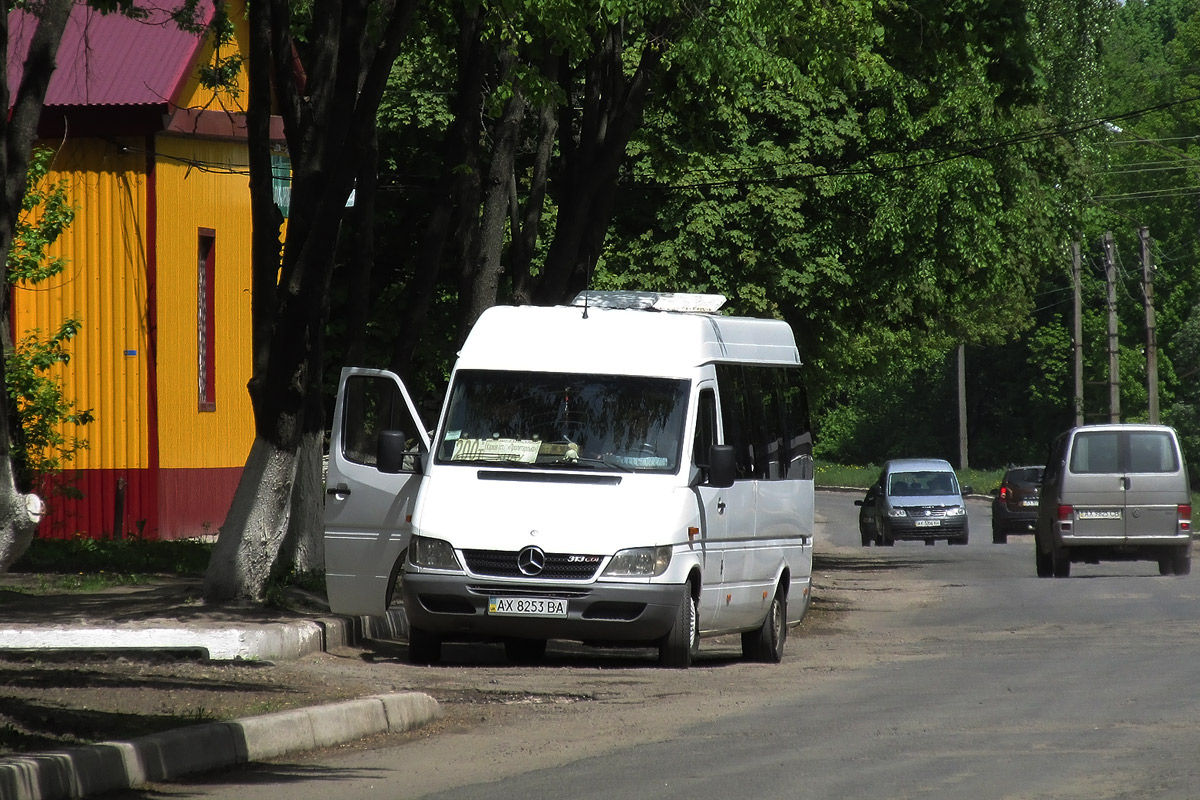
(652,301)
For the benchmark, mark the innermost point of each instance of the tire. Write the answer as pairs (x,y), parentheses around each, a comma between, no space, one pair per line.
(423,647)
(1045,566)
(1180,562)
(960,539)
(677,649)
(867,539)
(1166,566)
(999,536)
(525,651)
(766,643)
(929,542)
(1060,562)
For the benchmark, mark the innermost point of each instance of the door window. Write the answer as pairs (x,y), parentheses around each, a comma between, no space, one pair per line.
(373,403)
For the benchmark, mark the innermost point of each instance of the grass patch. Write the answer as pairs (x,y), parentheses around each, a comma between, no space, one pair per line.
(113,562)
(982,481)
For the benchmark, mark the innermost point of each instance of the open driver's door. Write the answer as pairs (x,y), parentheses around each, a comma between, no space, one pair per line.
(368,511)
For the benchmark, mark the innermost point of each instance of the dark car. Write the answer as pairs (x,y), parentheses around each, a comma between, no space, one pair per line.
(1015,503)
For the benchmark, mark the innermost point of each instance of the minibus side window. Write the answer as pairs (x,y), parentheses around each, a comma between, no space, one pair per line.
(731,385)
(374,404)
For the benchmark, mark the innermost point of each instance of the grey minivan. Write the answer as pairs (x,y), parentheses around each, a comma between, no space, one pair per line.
(1115,492)
(916,499)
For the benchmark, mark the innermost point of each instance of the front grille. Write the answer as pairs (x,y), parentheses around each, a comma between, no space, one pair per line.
(559,566)
(925,511)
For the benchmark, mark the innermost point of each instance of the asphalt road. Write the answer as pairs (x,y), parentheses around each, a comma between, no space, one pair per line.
(924,672)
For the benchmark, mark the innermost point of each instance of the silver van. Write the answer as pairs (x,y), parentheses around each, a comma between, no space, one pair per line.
(1115,492)
(916,499)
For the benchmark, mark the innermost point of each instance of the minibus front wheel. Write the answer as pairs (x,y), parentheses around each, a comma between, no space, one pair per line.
(680,645)
(423,647)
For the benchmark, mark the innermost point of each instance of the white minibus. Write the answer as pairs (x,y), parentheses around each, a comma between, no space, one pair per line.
(631,470)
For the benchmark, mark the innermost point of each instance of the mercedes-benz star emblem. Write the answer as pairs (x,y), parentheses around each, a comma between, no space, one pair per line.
(531,561)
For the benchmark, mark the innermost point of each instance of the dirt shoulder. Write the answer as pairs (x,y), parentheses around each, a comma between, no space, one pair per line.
(49,701)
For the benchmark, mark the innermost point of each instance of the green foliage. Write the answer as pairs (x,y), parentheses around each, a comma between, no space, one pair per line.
(45,214)
(43,410)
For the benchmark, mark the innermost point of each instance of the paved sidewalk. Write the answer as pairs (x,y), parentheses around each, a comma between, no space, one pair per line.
(168,617)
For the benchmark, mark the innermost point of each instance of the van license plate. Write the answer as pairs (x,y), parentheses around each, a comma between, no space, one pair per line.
(1028,503)
(527,607)
(928,523)
(1099,513)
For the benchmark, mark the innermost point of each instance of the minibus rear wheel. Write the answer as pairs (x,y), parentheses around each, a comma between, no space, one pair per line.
(766,643)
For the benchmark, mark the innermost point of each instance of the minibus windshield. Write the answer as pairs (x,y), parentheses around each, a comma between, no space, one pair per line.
(562,420)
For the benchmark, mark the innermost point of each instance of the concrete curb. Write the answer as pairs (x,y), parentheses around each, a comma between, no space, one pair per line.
(271,641)
(110,766)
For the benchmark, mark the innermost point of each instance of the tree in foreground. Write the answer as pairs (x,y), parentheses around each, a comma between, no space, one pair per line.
(328,84)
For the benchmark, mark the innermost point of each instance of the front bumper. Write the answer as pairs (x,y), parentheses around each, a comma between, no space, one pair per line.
(455,607)
(905,529)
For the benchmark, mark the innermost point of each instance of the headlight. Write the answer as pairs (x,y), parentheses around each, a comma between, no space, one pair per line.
(896,512)
(956,511)
(642,562)
(432,554)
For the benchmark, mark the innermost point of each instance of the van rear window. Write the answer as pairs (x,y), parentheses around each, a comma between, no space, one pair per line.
(1096,453)
(1150,451)
(1111,452)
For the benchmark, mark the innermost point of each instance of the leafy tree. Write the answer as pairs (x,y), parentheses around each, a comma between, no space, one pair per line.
(345,51)
(19,510)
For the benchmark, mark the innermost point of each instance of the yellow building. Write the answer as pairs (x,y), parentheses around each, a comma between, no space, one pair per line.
(158,272)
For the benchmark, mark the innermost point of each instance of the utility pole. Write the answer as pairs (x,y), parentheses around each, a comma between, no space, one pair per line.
(1151,335)
(1077,330)
(962,406)
(1114,365)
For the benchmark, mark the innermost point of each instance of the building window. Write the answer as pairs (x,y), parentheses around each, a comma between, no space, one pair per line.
(206,317)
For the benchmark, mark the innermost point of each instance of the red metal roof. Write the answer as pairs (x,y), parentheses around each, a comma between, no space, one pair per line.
(109,59)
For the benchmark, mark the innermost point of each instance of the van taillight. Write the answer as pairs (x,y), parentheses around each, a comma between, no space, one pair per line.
(1065,512)
(1185,512)
(1003,493)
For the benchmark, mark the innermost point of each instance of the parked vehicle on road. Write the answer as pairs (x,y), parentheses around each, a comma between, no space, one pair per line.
(1015,502)
(1115,492)
(630,470)
(916,499)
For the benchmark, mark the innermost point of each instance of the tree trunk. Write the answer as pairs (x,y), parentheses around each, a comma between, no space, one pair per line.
(20,512)
(525,226)
(327,110)
(612,112)
(486,282)
(361,247)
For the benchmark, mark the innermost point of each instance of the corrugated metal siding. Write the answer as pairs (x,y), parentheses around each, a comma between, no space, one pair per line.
(194,502)
(203,184)
(104,286)
(95,514)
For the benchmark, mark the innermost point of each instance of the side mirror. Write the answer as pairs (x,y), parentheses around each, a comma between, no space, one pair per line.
(722,466)
(858,502)
(968,490)
(390,452)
